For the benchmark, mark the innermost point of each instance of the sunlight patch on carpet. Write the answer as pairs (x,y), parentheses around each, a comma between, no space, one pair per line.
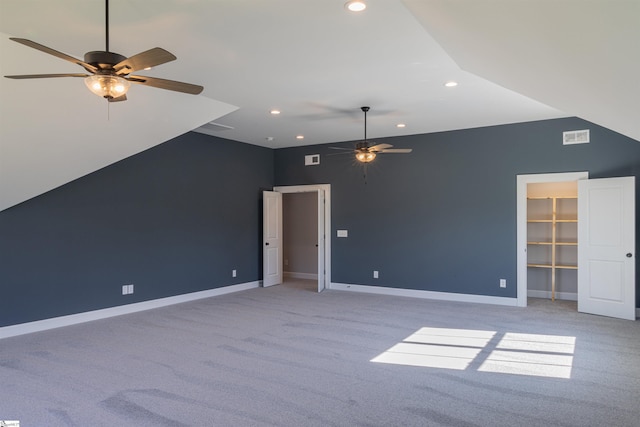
(484,351)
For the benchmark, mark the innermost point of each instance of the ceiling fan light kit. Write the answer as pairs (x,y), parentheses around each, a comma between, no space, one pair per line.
(365,156)
(106,86)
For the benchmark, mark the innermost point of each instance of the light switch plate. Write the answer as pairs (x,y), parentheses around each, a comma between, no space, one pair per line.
(343,233)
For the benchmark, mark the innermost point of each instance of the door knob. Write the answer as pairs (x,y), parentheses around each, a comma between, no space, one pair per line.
(266,244)
(629,255)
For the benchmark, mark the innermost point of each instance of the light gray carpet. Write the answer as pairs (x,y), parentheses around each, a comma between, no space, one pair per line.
(286,356)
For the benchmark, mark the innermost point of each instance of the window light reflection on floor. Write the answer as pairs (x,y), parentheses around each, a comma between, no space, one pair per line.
(484,351)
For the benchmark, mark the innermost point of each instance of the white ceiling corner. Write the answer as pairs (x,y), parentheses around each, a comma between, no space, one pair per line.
(578,56)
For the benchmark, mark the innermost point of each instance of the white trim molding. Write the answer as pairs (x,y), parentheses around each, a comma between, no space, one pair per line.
(88,316)
(415,293)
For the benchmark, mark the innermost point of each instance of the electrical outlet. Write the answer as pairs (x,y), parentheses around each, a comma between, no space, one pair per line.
(233,273)
(503,283)
(125,289)
(130,289)
(375,274)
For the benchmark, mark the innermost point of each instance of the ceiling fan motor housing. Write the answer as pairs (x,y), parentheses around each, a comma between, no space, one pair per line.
(103,60)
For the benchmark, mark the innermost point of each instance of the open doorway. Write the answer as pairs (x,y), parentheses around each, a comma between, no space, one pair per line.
(300,240)
(552,240)
(306,234)
(547,236)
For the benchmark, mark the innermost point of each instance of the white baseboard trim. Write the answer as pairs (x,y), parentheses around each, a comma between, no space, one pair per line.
(294,275)
(569,296)
(414,293)
(88,316)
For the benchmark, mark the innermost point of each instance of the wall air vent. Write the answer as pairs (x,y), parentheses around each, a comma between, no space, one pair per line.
(575,137)
(313,159)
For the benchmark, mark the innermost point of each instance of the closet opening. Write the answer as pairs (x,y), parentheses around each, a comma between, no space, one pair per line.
(547,235)
(552,240)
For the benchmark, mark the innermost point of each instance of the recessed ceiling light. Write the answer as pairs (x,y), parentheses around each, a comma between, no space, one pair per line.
(275,112)
(400,125)
(299,136)
(356,5)
(451,84)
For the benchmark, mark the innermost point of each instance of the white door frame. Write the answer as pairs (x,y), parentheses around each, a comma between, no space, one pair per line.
(324,228)
(521,222)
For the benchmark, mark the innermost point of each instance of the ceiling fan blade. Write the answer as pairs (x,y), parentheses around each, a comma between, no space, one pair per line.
(55,53)
(380,147)
(118,99)
(397,150)
(45,76)
(146,59)
(166,84)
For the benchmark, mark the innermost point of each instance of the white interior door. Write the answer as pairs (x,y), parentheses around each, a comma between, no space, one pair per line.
(606,245)
(271,238)
(321,243)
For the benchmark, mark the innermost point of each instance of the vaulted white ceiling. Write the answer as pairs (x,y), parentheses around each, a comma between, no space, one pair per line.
(314,61)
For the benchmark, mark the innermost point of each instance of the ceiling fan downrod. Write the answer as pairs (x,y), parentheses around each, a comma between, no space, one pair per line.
(364,110)
(106,14)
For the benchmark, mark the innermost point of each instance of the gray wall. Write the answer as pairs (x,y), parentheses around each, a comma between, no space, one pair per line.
(300,232)
(443,218)
(179,217)
(171,220)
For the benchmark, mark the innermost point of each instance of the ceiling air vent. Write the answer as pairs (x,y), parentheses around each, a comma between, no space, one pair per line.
(212,128)
(216,126)
(575,137)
